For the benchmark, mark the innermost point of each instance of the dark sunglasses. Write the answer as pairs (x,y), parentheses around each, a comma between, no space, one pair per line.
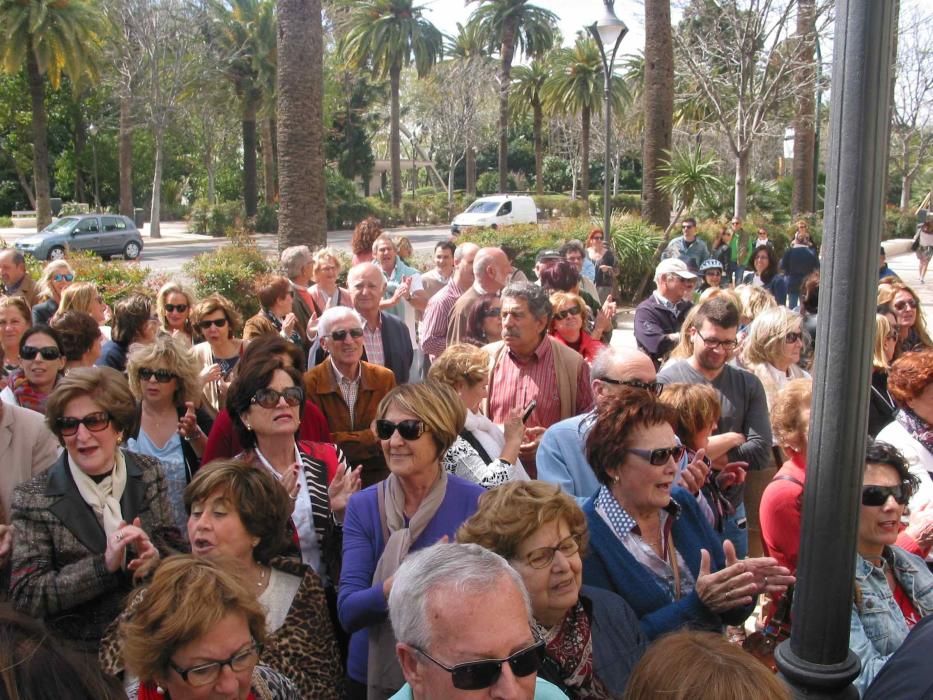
(207,323)
(476,675)
(67,277)
(180,308)
(906,304)
(561,315)
(95,422)
(793,337)
(878,495)
(654,387)
(27,352)
(410,429)
(269,398)
(162,376)
(660,456)
(596,238)
(341,335)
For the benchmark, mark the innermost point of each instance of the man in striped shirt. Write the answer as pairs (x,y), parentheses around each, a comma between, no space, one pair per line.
(437,313)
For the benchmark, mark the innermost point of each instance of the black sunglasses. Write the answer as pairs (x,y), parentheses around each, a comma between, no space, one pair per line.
(476,675)
(207,323)
(793,337)
(28,352)
(878,495)
(907,304)
(660,456)
(561,315)
(162,376)
(95,422)
(180,308)
(410,429)
(342,334)
(269,398)
(654,387)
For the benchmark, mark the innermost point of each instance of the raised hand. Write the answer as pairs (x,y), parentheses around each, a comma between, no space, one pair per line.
(188,424)
(344,484)
(693,476)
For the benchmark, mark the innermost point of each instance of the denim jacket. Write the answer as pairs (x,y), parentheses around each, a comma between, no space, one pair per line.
(877,626)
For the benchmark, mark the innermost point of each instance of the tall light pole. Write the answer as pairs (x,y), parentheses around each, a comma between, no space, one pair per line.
(608,32)
(92,130)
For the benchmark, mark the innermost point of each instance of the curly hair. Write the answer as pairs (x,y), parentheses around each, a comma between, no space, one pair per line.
(910,375)
(105,386)
(558,298)
(888,455)
(166,352)
(460,363)
(365,233)
(753,300)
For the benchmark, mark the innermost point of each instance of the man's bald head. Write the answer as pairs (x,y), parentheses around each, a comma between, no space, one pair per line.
(620,364)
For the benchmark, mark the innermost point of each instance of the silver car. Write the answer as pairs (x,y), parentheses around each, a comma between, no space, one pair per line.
(105,234)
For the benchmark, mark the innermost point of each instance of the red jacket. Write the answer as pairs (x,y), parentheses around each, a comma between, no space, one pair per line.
(587,346)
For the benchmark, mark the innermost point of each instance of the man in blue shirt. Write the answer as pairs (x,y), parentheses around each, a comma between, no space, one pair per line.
(688,246)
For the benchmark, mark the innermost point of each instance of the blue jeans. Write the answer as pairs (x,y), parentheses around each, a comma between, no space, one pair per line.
(735,529)
(739,273)
(793,299)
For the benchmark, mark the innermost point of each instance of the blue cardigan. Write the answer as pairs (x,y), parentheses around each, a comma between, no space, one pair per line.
(360,603)
(609,565)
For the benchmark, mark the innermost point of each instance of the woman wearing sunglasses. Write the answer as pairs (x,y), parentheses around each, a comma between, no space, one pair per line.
(86,297)
(568,324)
(649,540)
(56,278)
(41,366)
(418,504)
(275,316)
(912,334)
(174,305)
(198,633)
(893,589)
(96,522)
(218,322)
(772,349)
(484,322)
(603,260)
(881,405)
(542,533)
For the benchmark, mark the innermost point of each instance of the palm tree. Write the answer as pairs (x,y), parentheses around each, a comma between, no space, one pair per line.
(511,25)
(302,215)
(48,37)
(658,95)
(386,36)
(527,85)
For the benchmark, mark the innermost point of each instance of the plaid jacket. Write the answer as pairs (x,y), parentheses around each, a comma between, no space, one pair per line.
(58,566)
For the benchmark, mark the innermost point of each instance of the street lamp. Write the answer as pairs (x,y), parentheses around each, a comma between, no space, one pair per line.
(608,32)
(92,130)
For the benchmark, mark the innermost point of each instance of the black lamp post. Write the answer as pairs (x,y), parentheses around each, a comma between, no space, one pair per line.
(92,130)
(608,32)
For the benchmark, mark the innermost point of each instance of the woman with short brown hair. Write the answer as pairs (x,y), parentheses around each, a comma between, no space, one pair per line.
(217,321)
(275,316)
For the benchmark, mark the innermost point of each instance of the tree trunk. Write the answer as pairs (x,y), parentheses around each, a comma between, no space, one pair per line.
(804,121)
(395,142)
(639,292)
(741,182)
(505,84)
(585,165)
(907,184)
(658,99)
(40,142)
(471,170)
(154,231)
(250,192)
(126,158)
(302,211)
(79,136)
(539,147)
(268,162)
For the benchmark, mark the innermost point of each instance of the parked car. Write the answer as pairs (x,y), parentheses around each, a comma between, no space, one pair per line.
(495,211)
(105,234)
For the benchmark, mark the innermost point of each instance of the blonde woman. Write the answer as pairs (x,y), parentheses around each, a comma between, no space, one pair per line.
(84,296)
(56,278)
(174,305)
(772,349)
(218,321)
(903,302)
(325,292)
(881,406)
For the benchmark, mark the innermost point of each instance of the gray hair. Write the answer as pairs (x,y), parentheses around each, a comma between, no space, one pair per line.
(295,258)
(460,251)
(456,569)
(573,245)
(384,238)
(537,298)
(334,315)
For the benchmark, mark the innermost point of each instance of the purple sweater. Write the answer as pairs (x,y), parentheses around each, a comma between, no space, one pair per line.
(359,602)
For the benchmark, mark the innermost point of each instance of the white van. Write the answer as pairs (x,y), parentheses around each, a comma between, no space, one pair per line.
(497,210)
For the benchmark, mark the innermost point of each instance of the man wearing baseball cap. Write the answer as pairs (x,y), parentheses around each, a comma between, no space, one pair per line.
(659,317)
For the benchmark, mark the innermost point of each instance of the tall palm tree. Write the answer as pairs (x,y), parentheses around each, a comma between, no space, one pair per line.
(48,37)
(302,215)
(658,96)
(386,36)
(526,96)
(512,25)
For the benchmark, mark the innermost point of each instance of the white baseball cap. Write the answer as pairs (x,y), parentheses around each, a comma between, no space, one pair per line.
(675,266)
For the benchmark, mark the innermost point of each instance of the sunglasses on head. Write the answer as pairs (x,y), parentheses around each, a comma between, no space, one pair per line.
(66,277)
(793,337)
(476,675)
(573,311)
(654,387)
(48,353)
(207,323)
(878,495)
(410,429)
(162,376)
(269,398)
(95,422)
(180,308)
(340,335)
(906,304)
(660,456)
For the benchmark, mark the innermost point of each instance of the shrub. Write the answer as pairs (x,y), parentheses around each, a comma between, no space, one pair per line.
(898,223)
(559,205)
(215,219)
(71,208)
(488,183)
(6,222)
(115,279)
(231,270)
(344,204)
(267,218)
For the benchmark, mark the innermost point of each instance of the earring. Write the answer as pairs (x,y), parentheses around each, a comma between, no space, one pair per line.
(615,479)
(160,690)
(249,427)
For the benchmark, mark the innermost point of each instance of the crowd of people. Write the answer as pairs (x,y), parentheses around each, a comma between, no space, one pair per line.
(425,484)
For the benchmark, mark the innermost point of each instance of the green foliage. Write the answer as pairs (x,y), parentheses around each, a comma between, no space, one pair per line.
(689,174)
(559,205)
(6,222)
(345,206)
(634,242)
(215,220)
(115,278)
(898,223)
(622,202)
(267,218)
(488,183)
(556,174)
(231,270)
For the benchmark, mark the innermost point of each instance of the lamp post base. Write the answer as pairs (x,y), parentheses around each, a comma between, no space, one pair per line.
(817,681)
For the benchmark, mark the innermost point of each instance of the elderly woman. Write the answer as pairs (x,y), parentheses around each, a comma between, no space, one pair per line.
(418,504)
(650,542)
(325,293)
(174,304)
(571,318)
(198,633)
(164,379)
(218,322)
(239,520)
(893,589)
(881,406)
(56,277)
(134,322)
(275,316)
(541,531)
(84,296)
(41,366)
(483,453)
(15,320)
(484,322)
(903,301)
(764,271)
(80,337)
(772,348)
(75,557)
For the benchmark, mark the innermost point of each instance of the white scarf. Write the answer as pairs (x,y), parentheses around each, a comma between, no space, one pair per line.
(104,497)
(487,433)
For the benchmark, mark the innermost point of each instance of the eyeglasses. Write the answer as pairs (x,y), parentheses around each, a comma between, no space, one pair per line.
(355,333)
(906,304)
(543,556)
(714,343)
(95,422)
(269,398)
(660,456)
(180,308)
(162,376)
(654,387)
(48,353)
(793,337)
(410,429)
(207,323)
(476,675)
(878,495)
(494,313)
(204,674)
(596,238)
(67,277)
(561,315)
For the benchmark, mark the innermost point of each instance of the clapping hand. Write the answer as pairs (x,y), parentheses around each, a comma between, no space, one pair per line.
(345,483)
(732,474)
(693,476)
(188,424)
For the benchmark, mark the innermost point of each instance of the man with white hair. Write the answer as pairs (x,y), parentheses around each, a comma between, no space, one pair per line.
(404,293)
(462,620)
(659,317)
(298,264)
(437,313)
(491,269)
